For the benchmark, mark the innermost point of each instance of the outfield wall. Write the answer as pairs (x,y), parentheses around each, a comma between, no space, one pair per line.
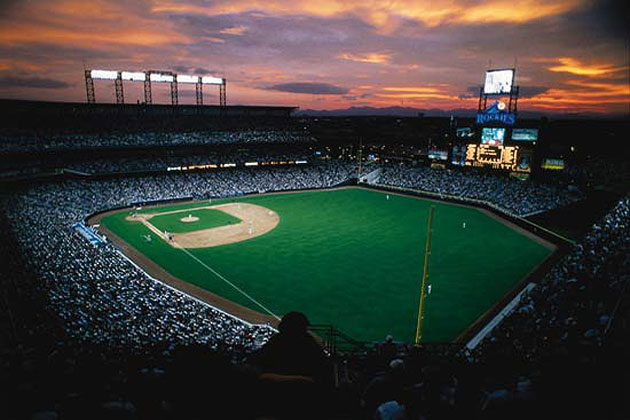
(500,211)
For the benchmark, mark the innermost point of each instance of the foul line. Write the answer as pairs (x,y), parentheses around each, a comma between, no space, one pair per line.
(230,283)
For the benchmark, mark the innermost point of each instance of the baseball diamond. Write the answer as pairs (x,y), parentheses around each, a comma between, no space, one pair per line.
(349,257)
(217,225)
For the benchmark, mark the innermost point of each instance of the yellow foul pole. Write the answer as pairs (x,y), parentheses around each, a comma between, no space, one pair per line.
(425,274)
(360,159)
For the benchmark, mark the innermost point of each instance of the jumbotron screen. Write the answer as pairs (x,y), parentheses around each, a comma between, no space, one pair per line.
(498,82)
(525,134)
(438,154)
(498,157)
(458,157)
(464,132)
(492,136)
(524,160)
(553,164)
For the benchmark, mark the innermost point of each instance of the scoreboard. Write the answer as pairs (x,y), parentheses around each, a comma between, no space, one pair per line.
(498,157)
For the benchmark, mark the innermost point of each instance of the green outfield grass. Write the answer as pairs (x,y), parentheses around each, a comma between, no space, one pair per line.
(208,218)
(354,259)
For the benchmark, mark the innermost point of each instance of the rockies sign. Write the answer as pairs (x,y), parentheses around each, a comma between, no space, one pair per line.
(496,113)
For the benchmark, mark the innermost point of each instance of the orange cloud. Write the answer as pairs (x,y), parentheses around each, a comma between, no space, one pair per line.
(101,9)
(602,88)
(412,89)
(385,15)
(416,92)
(416,96)
(595,96)
(19,34)
(321,8)
(514,11)
(235,30)
(92,24)
(212,39)
(573,66)
(12,64)
(374,58)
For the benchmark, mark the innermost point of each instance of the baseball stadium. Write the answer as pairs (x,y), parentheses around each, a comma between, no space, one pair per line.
(192,250)
(331,210)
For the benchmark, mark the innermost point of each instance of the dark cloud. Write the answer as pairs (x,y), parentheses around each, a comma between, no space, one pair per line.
(303,39)
(356,97)
(200,70)
(310,88)
(471,92)
(609,16)
(531,91)
(6,6)
(181,69)
(43,53)
(554,36)
(32,82)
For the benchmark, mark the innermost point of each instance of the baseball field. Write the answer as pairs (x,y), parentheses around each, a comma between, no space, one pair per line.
(349,257)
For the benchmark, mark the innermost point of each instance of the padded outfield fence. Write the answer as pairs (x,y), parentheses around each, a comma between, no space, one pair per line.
(521,220)
(335,342)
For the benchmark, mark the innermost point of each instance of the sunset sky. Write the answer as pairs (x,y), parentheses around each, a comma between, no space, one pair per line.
(570,55)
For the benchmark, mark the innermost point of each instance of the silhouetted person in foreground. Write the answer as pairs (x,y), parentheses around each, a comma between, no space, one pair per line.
(203,384)
(294,372)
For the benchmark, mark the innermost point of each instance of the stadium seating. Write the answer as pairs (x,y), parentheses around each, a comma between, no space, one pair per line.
(88,334)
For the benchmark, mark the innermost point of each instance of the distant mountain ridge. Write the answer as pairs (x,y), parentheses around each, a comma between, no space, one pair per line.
(400,111)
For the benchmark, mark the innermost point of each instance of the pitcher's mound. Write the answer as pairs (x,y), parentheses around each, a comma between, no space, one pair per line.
(255,221)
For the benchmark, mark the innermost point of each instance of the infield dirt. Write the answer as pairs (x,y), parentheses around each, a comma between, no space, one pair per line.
(255,221)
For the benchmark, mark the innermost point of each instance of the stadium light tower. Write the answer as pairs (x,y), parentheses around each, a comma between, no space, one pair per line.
(199,92)
(91,75)
(210,80)
(154,76)
(118,85)
(160,77)
(222,93)
(89,87)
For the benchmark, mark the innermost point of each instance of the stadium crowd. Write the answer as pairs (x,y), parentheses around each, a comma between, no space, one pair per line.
(100,298)
(43,218)
(595,171)
(130,164)
(520,198)
(31,141)
(130,348)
